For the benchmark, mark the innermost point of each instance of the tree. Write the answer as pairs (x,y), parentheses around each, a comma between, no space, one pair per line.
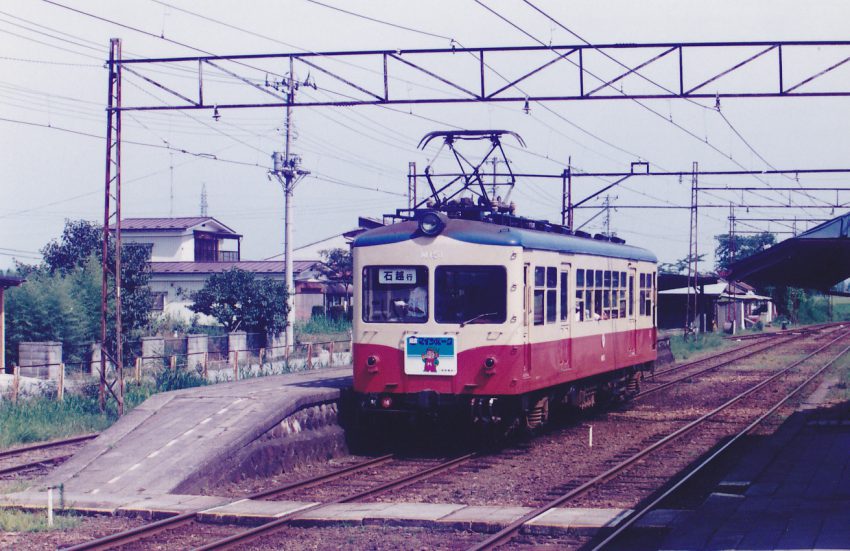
(743,246)
(340,265)
(61,299)
(680,266)
(240,301)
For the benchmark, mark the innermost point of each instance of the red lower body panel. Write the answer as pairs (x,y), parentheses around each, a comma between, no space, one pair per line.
(517,369)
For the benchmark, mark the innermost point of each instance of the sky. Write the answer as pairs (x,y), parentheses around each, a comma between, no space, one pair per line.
(53,91)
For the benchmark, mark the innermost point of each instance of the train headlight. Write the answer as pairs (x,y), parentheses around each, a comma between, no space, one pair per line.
(431,224)
(386,402)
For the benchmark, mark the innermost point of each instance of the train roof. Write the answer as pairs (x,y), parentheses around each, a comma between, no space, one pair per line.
(484,233)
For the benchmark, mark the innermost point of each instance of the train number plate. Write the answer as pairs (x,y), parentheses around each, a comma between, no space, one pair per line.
(427,355)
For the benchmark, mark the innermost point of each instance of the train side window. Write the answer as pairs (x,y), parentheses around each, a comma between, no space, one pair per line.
(598,278)
(588,304)
(579,278)
(551,277)
(551,301)
(564,290)
(631,295)
(539,276)
(538,306)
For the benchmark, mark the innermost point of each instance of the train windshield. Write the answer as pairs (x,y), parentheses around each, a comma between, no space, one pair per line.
(395,294)
(470,294)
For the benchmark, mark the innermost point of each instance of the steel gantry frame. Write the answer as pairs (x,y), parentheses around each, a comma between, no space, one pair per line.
(686,77)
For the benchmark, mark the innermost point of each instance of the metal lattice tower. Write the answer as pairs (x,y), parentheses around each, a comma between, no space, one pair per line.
(111,346)
(693,251)
(204,205)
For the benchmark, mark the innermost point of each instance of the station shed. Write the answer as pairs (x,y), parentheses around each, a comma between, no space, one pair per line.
(721,305)
(5,283)
(816,259)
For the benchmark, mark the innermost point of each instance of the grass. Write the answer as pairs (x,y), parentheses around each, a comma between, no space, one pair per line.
(39,419)
(46,419)
(20,521)
(683,349)
(321,328)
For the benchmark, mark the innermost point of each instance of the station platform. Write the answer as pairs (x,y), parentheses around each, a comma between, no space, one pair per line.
(183,441)
(791,490)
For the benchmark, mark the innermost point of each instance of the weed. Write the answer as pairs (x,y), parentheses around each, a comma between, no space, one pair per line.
(683,349)
(20,521)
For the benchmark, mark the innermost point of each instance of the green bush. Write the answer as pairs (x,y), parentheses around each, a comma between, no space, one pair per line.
(166,379)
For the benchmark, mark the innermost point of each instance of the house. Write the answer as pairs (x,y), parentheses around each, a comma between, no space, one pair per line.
(186,251)
(720,305)
(172,283)
(190,239)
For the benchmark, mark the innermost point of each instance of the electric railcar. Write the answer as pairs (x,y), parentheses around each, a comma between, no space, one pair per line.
(496,320)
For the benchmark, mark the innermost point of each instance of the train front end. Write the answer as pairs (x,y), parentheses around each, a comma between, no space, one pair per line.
(436,320)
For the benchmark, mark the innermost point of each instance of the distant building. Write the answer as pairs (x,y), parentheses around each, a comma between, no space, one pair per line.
(720,305)
(186,251)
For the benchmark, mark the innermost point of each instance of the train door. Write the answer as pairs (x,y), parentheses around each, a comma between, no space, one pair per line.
(632,344)
(528,317)
(564,315)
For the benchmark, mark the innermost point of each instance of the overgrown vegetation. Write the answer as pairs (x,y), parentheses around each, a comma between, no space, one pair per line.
(39,419)
(46,419)
(683,349)
(323,325)
(12,520)
(60,300)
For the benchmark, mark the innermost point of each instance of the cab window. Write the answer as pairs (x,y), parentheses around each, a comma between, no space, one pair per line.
(395,294)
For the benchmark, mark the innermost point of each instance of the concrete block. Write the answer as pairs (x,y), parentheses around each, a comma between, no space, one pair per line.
(40,359)
(153,350)
(345,512)
(237,341)
(412,514)
(660,519)
(167,505)
(482,518)
(249,511)
(586,521)
(196,348)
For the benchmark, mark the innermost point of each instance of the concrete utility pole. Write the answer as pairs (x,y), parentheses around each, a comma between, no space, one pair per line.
(288,172)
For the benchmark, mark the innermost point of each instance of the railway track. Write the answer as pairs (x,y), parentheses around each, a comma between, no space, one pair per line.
(419,473)
(659,444)
(35,459)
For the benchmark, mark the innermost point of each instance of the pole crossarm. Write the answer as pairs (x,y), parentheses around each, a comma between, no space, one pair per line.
(565,73)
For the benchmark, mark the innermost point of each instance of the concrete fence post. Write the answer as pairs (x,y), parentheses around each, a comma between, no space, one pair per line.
(235,365)
(16,383)
(331,348)
(172,363)
(206,361)
(60,386)
(138,370)
(309,355)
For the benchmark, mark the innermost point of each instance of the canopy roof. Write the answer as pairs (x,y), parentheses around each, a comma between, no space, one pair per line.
(816,259)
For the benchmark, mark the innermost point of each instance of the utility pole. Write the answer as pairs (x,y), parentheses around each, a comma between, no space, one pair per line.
(693,254)
(286,168)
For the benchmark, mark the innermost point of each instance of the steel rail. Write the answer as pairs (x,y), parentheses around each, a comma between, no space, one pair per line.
(266,529)
(712,368)
(507,533)
(636,515)
(31,464)
(45,445)
(142,532)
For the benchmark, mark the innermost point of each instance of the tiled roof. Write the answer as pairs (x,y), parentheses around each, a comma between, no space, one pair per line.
(270,267)
(166,224)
